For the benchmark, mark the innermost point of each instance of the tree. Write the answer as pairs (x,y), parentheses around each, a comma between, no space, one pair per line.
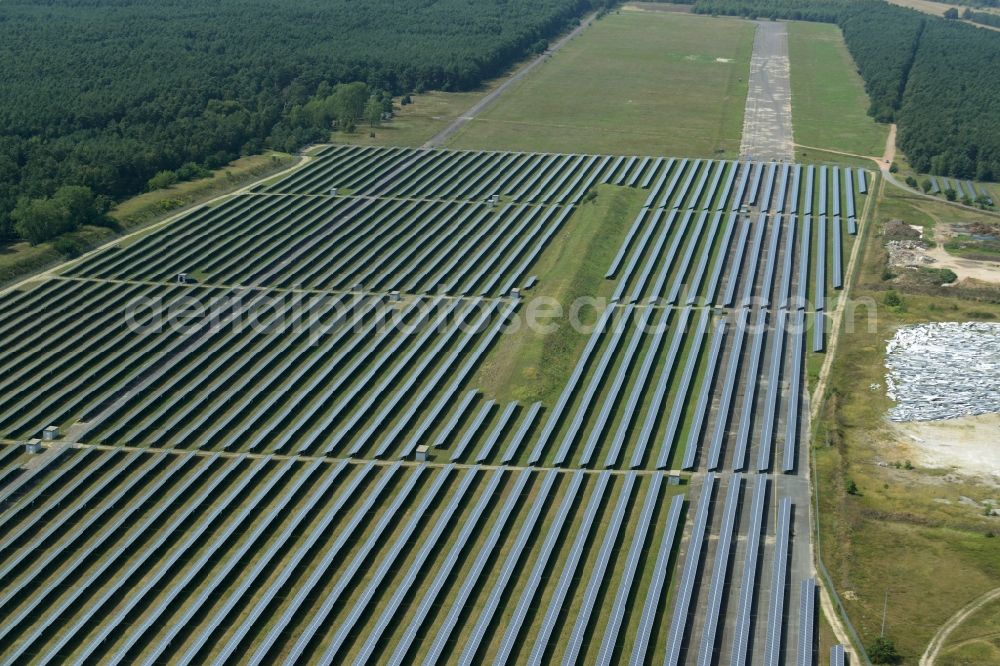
(373,112)
(951,13)
(950,194)
(192,171)
(893,299)
(162,180)
(926,185)
(911,181)
(348,102)
(406,100)
(81,206)
(39,220)
(883,651)
(893,168)
(852,487)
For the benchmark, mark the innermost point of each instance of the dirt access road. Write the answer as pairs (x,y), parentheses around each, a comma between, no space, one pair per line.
(486,102)
(930,655)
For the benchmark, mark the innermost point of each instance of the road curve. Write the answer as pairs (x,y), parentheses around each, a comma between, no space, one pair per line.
(934,647)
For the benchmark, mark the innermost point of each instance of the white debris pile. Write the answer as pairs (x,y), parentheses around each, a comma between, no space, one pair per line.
(907,253)
(943,371)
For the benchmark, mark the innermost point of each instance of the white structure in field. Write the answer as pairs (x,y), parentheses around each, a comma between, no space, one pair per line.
(943,371)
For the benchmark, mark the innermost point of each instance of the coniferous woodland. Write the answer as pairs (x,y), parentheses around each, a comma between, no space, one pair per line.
(105,98)
(937,79)
(109,94)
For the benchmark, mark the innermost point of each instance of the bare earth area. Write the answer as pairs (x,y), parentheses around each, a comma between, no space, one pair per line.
(969,445)
(909,254)
(983,271)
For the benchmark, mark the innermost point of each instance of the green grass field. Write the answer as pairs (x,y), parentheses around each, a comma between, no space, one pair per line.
(415,123)
(648,83)
(829,104)
(975,641)
(534,365)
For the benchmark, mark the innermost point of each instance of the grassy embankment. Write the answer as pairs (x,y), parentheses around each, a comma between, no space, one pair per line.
(22,259)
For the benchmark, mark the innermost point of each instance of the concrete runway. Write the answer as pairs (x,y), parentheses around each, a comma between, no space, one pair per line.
(767,122)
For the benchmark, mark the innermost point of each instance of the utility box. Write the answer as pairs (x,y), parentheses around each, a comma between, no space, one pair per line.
(421,454)
(515,293)
(182,278)
(394,297)
(333,191)
(34,446)
(50,433)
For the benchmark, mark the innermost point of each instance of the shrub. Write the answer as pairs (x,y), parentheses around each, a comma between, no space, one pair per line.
(883,651)
(945,275)
(67,247)
(161,180)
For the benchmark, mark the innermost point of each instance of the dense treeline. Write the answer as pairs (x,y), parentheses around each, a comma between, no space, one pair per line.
(107,94)
(973,3)
(985,18)
(934,77)
(823,11)
(883,41)
(949,122)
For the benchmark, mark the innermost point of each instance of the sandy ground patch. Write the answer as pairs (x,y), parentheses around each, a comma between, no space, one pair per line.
(970,445)
(937,257)
(984,271)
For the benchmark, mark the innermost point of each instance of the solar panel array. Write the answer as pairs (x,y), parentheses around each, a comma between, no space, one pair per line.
(807,616)
(838,656)
(432,544)
(340,315)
